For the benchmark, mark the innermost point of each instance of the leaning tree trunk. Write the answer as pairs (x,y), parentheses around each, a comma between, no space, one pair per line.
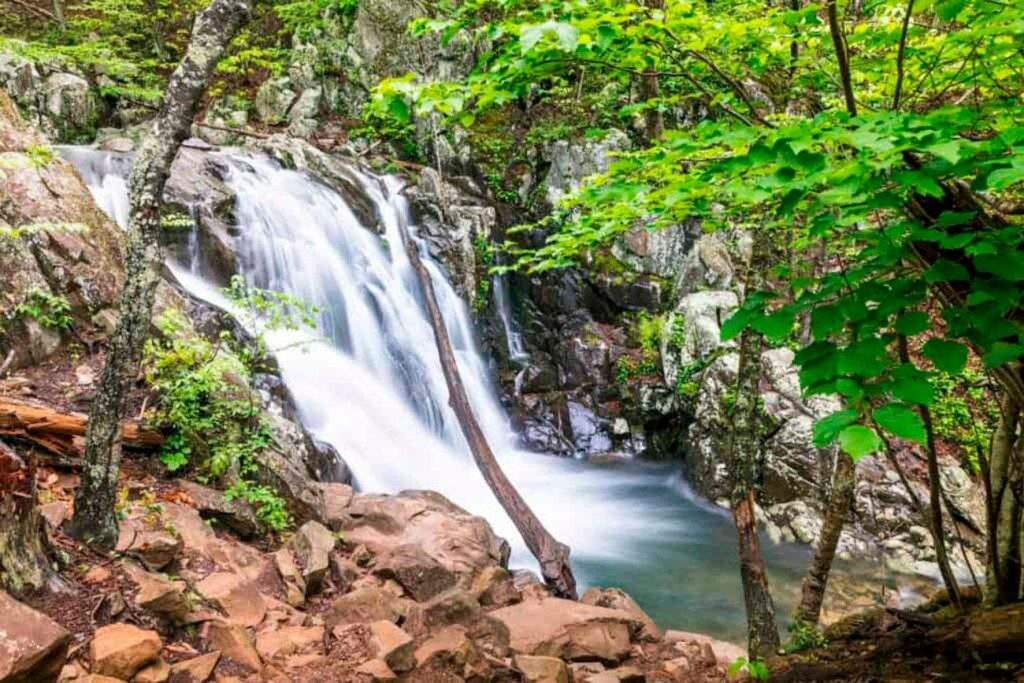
(25,555)
(94,518)
(552,555)
(839,506)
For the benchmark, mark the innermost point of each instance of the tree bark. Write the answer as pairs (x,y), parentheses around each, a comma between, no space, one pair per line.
(840,504)
(1005,480)
(25,557)
(552,555)
(94,518)
(60,433)
(650,89)
(743,452)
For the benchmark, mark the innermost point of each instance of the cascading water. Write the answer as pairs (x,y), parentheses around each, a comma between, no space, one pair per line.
(369,382)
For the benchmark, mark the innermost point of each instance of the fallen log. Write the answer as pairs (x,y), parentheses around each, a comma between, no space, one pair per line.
(552,555)
(62,433)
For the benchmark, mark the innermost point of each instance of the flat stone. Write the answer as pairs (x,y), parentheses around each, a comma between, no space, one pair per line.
(238,598)
(235,514)
(158,595)
(362,605)
(156,549)
(54,513)
(537,669)
(289,640)
(157,672)
(234,643)
(377,670)
(393,645)
(725,653)
(294,583)
(33,647)
(615,598)
(120,650)
(336,499)
(195,670)
(569,630)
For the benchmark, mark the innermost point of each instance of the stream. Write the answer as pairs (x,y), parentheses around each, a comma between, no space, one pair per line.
(369,382)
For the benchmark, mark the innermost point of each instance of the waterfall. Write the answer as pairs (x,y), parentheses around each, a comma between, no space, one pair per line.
(369,382)
(513,337)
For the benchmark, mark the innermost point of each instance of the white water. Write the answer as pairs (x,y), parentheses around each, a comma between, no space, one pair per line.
(369,382)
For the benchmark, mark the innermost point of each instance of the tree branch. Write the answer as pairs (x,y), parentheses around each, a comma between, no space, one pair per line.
(901,56)
(842,57)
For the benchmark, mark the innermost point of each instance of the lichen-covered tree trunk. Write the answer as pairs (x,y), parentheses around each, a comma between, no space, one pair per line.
(1005,481)
(839,506)
(552,556)
(24,547)
(743,453)
(94,518)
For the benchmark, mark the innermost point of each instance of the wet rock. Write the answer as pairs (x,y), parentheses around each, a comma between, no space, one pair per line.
(233,642)
(566,629)
(393,645)
(419,574)
(235,514)
(195,670)
(235,596)
(542,669)
(120,650)
(33,647)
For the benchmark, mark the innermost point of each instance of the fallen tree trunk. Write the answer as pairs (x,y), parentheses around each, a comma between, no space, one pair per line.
(552,555)
(62,433)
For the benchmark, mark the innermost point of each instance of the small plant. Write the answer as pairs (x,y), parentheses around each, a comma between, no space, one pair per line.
(50,310)
(756,669)
(804,636)
(40,156)
(176,221)
(484,260)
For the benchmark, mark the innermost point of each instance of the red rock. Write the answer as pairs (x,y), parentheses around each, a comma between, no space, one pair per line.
(33,647)
(392,644)
(536,669)
(157,672)
(195,670)
(237,597)
(416,571)
(289,640)
(725,653)
(120,650)
(566,629)
(377,670)
(234,643)
(614,598)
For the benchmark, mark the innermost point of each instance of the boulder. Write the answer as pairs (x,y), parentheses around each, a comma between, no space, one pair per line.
(570,630)
(312,545)
(70,107)
(233,642)
(274,99)
(154,548)
(725,653)
(238,598)
(537,669)
(418,573)
(393,645)
(615,598)
(363,605)
(33,647)
(459,542)
(195,670)
(452,607)
(235,514)
(294,583)
(451,644)
(120,650)
(377,670)
(336,499)
(573,161)
(494,587)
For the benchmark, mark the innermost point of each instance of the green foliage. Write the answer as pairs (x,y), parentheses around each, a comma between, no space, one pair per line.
(965,414)
(49,310)
(40,156)
(484,260)
(804,636)
(935,144)
(756,669)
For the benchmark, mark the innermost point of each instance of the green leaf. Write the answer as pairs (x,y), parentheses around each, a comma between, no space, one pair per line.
(900,421)
(776,326)
(949,150)
(398,108)
(911,385)
(858,441)
(912,323)
(947,356)
(826,320)
(945,270)
(1004,177)
(827,428)
(736,323)
(1001,353)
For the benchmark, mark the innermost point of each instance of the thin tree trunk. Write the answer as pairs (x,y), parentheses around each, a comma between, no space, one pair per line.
(58,13)
(94,518)
(25,557)
(743,452)
(650,89)
(1003,578)
(840,504)
(552,555)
